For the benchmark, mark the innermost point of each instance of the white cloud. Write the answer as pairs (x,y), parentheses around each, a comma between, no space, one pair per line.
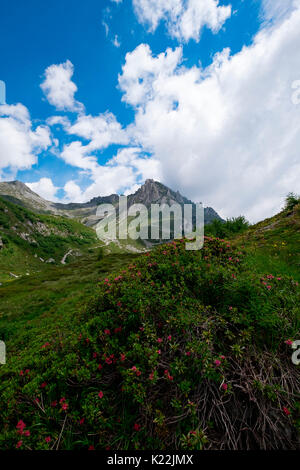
(76,154)
(116,42)
(277,10)
(20,144)
(73,191)
(44,188)
(106,27)
(141,71)
(227,135)
(144,166)
(116,1)
(102,130)
(59,89)
(58,120)
(185,19)
(119,175)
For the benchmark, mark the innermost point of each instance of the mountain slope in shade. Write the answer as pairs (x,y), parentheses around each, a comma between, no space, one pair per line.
(151,192)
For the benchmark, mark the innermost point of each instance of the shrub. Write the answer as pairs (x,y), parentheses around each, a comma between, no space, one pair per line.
(181,350)
(291,201)
(220,229)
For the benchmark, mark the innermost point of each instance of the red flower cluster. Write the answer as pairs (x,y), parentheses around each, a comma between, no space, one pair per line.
(20,427)
(218,361)
(168,376)
(137,371)
(64,404)
(22,431)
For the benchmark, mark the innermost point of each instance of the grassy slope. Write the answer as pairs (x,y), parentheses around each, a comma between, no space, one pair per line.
(55,290)
(191,301)
(49,237)
(273,245)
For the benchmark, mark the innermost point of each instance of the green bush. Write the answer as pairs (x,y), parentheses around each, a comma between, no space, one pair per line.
(181,350)
(291,201)
(231,227)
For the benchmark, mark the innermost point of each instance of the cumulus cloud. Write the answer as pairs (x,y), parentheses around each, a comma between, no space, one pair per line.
(229,134)
(76,154)
(59,89)
(119,175)
(141,71)
(185,19)
(102,130)
(20,143)
(45,188)
(73,192)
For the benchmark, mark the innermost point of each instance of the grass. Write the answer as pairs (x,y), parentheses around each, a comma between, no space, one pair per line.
(27,237)
(273,245)
(55,290)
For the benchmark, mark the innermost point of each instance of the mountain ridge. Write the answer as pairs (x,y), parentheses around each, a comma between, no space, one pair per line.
(150,192)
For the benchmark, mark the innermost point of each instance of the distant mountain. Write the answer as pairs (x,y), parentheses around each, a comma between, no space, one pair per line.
(151,192)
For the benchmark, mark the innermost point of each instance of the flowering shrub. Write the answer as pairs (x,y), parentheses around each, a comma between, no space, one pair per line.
(184,350)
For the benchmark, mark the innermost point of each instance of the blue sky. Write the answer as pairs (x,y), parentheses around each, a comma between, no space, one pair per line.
(99,63)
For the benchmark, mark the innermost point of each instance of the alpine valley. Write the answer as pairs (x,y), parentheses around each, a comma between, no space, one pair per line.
(125,346)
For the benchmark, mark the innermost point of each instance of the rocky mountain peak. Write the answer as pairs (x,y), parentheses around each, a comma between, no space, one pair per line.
(151,192)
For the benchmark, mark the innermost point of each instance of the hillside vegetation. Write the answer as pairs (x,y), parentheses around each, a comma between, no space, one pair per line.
(274,244)
(27,240)
(176,350)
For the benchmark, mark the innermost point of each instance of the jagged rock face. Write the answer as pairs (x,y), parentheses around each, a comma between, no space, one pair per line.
(151,192)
